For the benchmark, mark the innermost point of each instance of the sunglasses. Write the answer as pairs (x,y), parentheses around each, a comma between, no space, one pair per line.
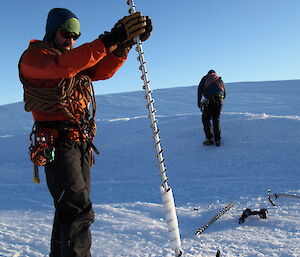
(69,35)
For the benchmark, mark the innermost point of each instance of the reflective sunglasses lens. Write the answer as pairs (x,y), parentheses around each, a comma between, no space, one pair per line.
(68,35)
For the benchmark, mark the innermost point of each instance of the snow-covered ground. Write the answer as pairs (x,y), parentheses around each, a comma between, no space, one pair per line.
(260,150)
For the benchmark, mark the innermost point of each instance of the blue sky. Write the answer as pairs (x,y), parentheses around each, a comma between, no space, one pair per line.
(242,40)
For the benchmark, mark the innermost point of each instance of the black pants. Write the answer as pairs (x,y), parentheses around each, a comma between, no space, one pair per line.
(68,180)
(212,112)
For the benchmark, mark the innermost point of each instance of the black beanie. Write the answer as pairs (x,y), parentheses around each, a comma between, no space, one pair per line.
(56,18)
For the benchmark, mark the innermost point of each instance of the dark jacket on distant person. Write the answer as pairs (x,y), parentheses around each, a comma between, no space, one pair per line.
(209,86)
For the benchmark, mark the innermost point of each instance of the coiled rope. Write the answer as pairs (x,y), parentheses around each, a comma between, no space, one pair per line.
(71,96)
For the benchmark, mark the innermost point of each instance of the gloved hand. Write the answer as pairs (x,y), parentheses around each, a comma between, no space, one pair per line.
(200,105)
(125,30)
(203,104)
(144,36)
(124,48)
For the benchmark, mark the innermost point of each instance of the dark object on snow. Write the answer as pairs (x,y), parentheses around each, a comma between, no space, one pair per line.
(262,213)
(218,253)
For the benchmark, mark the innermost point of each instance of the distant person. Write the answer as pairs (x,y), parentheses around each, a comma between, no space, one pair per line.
(57,90)
(212,88)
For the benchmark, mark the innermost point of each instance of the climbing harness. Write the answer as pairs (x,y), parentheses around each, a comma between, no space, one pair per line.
(41,149)
(42,146)
(165,189)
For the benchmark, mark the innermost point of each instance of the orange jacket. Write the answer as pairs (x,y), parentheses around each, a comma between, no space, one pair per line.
(41,68)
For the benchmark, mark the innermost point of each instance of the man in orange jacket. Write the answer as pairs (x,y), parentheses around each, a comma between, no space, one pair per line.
(57,81)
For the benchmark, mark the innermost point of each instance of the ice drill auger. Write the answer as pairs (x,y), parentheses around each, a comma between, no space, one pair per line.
(165,189)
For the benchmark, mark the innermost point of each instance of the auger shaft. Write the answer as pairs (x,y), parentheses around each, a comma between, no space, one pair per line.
(166,191)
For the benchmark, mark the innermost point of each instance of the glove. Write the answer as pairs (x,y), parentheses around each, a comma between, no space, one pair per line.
(124,30)
(200,106)
(144,36)
(124,48)
(203,104)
